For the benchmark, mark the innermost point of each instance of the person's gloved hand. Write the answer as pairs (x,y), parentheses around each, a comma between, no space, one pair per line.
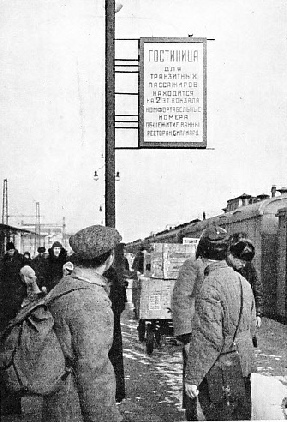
(191,390)
(186,347)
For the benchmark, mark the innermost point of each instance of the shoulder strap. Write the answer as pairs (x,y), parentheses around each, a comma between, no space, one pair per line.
(241,309)
(24,312)
(51,297)
(43,301)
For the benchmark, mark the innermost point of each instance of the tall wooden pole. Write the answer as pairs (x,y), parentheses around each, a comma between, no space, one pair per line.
(110,218)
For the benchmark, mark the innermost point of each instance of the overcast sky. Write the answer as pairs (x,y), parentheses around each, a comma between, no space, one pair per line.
(52,111)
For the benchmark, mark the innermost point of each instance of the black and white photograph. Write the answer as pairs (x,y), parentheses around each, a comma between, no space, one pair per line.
(143,239)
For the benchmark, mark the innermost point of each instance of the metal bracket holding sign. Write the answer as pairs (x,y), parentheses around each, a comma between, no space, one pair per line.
(172,102)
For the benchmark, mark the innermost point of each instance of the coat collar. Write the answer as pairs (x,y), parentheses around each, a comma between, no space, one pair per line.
(90,276)
(216,265)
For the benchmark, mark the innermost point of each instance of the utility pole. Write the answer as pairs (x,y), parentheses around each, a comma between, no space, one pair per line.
(5,202)
(110,219)
(64,233)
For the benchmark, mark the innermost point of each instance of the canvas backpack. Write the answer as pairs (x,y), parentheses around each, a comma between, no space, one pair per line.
(31,357)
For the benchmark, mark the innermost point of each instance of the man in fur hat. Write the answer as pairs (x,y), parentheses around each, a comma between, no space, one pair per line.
(225,318)
(242,252)
(56,259)
(186,287)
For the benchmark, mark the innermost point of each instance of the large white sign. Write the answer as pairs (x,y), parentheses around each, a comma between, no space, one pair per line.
(173,92)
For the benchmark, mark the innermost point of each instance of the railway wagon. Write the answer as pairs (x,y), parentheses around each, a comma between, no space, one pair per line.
(260,221)
(281,302)
(264,220)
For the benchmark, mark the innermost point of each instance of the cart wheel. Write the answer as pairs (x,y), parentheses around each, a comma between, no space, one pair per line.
(150,338)
(141,330)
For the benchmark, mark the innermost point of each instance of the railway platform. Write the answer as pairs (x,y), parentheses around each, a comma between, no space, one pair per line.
(271,383)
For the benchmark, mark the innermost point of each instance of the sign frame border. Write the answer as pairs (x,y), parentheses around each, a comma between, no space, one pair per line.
(174,145)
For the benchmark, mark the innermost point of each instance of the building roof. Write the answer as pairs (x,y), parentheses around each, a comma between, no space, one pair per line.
(6,227)
(266,206)
(242,196)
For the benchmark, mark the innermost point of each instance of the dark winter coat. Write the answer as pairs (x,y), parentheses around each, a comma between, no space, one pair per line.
(118,298)
(138,263)
(249,272)
(84,326)
(12,290)
(55,267)
(40,266)
(217,309)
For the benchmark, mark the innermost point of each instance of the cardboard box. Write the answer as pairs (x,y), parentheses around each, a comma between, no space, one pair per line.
(155,298)
(167,258)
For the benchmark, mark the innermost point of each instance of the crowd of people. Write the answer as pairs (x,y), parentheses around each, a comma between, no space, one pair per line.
(216,307)
(87,321)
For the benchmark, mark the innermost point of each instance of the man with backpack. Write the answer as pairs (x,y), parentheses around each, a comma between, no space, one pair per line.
(57,346)
(83,321)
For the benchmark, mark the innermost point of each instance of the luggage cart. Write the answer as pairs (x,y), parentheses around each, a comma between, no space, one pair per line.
(152,303)
(152,291)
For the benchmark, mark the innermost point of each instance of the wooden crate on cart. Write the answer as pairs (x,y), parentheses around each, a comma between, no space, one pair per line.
(167,258)
(154,298)
(152,291)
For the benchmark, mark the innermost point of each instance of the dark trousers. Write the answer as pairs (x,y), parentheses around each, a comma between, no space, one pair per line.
(10,403)
(116,358)
(189,404)
(239,409)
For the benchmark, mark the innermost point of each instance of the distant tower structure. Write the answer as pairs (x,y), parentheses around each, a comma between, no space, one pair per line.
(5,202)
(37,225)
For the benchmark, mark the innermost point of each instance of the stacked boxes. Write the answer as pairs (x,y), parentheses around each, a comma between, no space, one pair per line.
(156,285)
(167,258)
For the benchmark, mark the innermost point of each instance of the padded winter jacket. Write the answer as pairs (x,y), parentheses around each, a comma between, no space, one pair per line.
(84,326)
(187,285)
(217,310)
